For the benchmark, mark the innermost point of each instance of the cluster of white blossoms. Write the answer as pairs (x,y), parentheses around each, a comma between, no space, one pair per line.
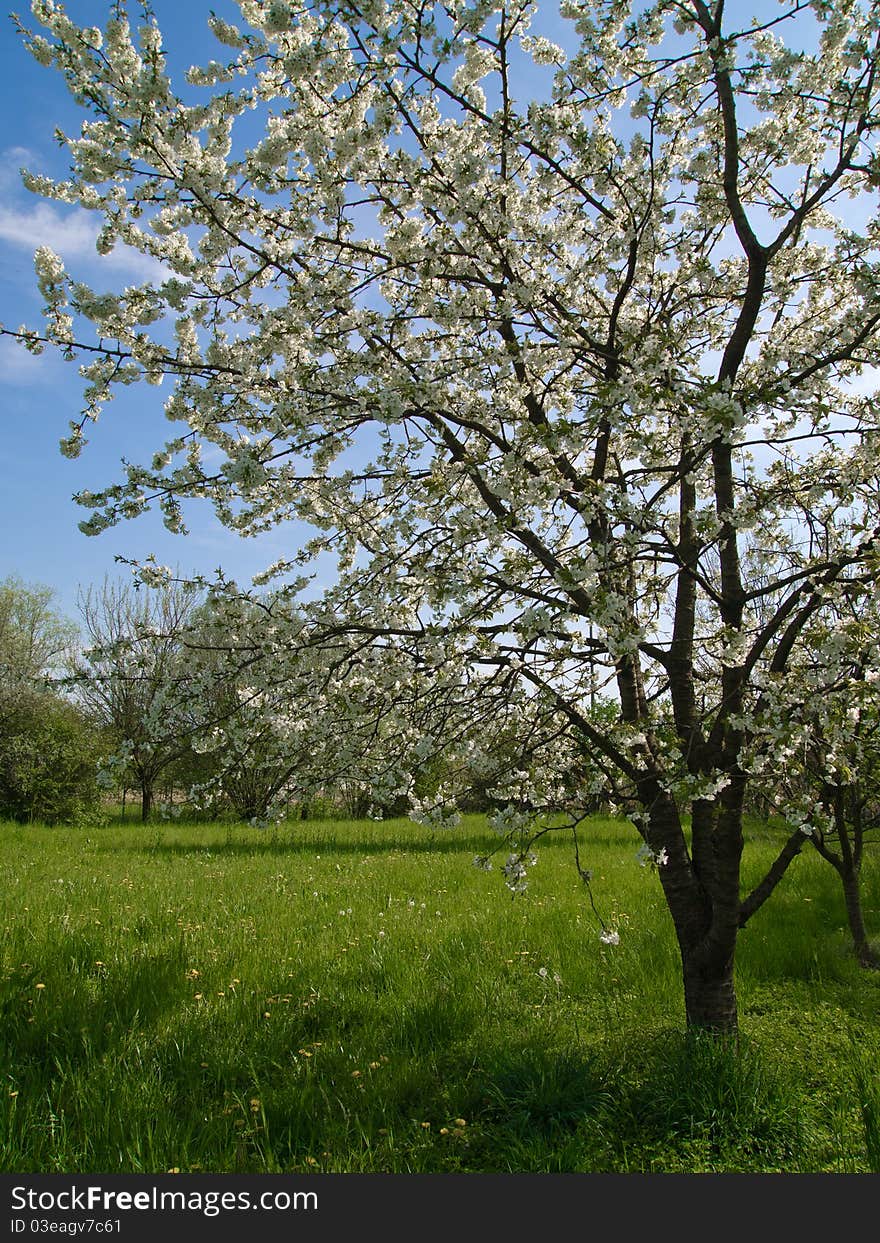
(656,858)
(515,873)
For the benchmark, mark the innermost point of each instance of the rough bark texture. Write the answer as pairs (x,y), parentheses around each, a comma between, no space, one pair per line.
(853,899)
(709,996)
(702,896)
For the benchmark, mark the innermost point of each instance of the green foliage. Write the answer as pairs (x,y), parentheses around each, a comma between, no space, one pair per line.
(48,749)
(34,638)
(49,755)
(356,997)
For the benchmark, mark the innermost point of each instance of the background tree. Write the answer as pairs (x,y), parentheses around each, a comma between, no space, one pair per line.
(829,784)
(49,750)
(35,640)
(293,737)
(130,676)
(849,773)
(49,758)
(581,355)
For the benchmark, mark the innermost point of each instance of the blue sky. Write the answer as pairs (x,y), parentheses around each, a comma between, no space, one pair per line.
(41,541)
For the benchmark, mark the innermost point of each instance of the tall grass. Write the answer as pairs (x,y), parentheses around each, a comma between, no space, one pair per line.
(358,997)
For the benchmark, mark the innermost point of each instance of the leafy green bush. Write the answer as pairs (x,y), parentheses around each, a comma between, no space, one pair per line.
(48,758)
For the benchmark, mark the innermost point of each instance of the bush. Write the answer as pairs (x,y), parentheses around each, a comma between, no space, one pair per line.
(48,759)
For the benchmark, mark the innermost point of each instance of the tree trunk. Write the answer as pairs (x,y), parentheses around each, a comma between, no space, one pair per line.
(846,864)
(702,895)
(853,898)
(146,801)
(709,995)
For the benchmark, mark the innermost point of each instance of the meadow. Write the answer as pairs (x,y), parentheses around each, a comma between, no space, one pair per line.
(358,997)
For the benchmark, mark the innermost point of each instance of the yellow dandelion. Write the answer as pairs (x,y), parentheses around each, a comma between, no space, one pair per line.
(39,986)
(426,1126)
(459,1122)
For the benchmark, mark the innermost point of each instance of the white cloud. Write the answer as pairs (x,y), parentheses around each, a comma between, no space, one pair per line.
(12,161)
(21,368)
(72,235)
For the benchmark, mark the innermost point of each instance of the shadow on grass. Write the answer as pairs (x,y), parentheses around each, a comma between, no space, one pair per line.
(714,1104)
(349,838)
(447,1092)
(81,1013)
(360,1081)
(451,844)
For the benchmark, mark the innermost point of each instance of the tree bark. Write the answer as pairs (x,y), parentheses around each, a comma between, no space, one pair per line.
(853,898)
(847,866)
(703,903)
(709,994)
(146,801)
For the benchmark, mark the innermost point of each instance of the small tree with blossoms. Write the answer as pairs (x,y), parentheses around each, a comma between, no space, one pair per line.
(829,784)
(289,705)
(551,342)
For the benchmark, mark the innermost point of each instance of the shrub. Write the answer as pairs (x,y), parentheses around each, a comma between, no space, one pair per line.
(49,756)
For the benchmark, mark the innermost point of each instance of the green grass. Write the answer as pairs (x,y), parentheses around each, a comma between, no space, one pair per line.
(360,998)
